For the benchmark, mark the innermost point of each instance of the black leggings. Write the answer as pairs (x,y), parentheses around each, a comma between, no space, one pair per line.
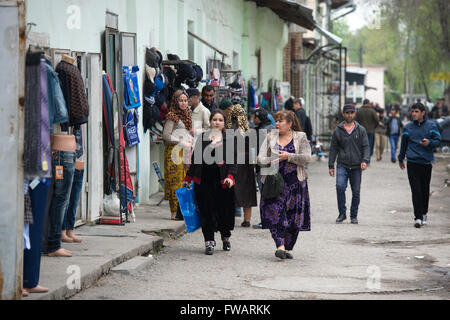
(419,176)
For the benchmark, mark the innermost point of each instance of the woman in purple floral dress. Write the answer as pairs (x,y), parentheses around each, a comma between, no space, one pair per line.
(289,213)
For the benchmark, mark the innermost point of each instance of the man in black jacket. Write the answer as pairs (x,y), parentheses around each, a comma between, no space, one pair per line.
(351,147)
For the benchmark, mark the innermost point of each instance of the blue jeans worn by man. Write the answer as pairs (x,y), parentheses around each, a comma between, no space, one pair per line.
(371,137)
(393,140)
(60,199)
(343,175)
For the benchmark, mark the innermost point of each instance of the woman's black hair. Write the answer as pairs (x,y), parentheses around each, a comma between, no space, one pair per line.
(216,111)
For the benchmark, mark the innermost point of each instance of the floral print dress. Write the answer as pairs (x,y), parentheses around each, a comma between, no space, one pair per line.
(289,213)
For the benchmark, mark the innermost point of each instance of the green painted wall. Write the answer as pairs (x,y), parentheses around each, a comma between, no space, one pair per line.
(232,26)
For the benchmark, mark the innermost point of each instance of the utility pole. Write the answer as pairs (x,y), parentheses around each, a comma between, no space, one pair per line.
(360,55)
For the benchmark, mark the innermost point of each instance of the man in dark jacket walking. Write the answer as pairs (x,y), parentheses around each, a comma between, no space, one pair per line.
(351,147)
(419,138)
(367,117)
(393,129)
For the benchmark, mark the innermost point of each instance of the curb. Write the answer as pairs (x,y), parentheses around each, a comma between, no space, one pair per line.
(92,277)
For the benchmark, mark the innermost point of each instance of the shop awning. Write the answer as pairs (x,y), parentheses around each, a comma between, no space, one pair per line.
(290,11)
(331,37)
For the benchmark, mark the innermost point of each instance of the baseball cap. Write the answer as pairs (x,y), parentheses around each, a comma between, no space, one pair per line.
(348,108)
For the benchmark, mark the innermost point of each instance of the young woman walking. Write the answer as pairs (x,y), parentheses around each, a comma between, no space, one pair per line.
(214,181)
(289,213)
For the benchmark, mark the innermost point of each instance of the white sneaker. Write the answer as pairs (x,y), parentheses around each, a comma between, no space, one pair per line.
(424,220)
(418,223)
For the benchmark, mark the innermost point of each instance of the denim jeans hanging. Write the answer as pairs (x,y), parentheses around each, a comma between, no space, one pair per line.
(60,198)
(32,257)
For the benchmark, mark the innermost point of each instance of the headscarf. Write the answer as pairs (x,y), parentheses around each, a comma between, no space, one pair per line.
(176,114)
(238,114)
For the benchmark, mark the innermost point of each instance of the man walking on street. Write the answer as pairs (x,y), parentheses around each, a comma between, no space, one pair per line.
(393,128)
(367,117)
(300,113)
(208,93)
(200,114)
(419,138)
(380,134)
(351,147)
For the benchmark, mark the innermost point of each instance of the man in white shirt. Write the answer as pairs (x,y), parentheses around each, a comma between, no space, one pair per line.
(200,114)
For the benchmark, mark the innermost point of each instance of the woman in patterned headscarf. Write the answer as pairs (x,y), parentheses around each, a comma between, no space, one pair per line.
(177,136)
(245,188)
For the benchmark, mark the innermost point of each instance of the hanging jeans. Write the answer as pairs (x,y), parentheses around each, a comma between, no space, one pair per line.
(32,257)
(71,212)
(342,176)
(61,196)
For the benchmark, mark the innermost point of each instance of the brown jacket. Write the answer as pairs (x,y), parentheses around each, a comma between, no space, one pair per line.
(74,93)
(368,118)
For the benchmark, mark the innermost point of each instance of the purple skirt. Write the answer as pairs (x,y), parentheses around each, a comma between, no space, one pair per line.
(292,208)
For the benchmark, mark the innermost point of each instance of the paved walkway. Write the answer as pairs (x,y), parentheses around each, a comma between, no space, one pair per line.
(384,257)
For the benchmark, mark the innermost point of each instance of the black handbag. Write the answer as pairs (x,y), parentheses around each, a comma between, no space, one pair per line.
(273,186)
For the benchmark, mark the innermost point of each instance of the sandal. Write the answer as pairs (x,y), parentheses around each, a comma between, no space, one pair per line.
(245,224)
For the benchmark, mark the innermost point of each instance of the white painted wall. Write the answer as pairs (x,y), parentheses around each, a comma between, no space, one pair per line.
(375,79)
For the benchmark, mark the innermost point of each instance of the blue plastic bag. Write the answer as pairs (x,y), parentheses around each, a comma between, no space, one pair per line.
(131,127)
(131,97)
(189,208)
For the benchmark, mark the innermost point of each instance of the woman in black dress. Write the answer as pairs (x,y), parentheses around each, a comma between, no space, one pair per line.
(214,181)
(245,189)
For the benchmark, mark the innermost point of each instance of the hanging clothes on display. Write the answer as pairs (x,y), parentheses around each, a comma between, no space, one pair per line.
(74,93)
(56,104)
(37,152)
(126,185)
(32,257)
(64,154)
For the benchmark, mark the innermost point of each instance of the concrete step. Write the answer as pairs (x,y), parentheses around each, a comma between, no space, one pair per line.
(133,266)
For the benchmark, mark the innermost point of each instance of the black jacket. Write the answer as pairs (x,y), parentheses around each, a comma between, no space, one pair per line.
(388,126)
(350,149)
(227,170)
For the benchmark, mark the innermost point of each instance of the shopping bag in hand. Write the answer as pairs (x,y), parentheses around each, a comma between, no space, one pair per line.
(189,208)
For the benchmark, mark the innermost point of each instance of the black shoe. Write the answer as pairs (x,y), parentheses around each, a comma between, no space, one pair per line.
(226,244)
(210,247)
(245,224)
(341,218)
(354,220)
(280,254)
(257,226)
(289,256)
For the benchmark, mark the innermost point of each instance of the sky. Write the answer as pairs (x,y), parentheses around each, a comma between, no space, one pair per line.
(361,16)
